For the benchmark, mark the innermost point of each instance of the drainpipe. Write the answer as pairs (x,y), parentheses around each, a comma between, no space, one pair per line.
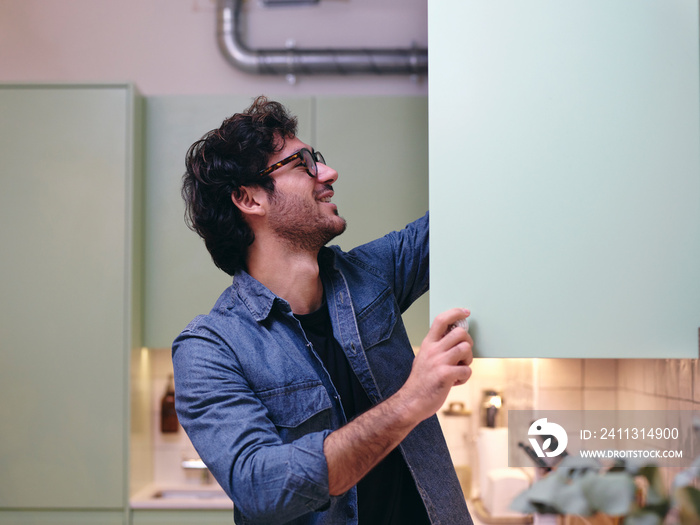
(293,61)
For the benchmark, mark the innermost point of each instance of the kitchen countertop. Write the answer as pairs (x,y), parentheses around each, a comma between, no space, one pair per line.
(158,496)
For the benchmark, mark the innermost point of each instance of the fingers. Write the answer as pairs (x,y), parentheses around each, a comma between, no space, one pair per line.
(443,337)
(458,343)
(454,347)
(443,361)
(461,354)
(464,375)
(460,357)
(443,321)
(455,336)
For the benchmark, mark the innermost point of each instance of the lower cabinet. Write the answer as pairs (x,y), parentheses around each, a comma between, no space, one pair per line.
(181,517)
(138,517)
(53,517)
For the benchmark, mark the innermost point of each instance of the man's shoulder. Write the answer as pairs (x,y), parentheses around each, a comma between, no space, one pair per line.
(417,229)
(219,316)
(375,254)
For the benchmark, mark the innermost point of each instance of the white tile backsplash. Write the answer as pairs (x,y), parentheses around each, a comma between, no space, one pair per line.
(671,377)
(649,373)
(600,373)
(695,382)
(685,379)
(560,399)
(600,399)
(663,377)
(626,400)
(629,375)
(559,373)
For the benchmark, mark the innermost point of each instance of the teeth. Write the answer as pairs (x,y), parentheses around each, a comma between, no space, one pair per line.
(325,199)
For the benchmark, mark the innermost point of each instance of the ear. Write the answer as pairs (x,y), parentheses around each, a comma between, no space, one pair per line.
(250,200)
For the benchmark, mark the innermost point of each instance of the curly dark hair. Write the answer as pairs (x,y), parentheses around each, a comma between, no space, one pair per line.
(220,163)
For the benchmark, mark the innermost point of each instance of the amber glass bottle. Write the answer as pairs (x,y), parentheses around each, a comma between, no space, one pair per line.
(168,417)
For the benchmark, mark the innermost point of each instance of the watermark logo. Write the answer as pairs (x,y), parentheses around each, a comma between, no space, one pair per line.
(666,438)
(548,431)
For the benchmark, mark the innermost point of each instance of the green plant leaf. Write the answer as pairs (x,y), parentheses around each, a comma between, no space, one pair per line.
(576,464)
(634,466)
(688,500)
(571,499)
(643,518)
(543,497)
(569,496)
(657,490)
(688,476)
(521,503)
(611,493)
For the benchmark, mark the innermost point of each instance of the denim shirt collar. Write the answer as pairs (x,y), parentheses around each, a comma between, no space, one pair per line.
(259,299)
(255,295)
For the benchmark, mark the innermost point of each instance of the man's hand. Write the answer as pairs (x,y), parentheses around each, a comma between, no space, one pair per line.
(442,362)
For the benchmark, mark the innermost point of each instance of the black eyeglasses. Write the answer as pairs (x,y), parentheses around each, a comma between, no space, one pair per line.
(308,159)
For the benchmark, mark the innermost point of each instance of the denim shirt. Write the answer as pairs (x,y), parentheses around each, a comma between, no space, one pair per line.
(257,402)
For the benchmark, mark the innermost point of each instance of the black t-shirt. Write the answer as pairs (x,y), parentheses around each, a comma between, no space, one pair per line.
(387,495)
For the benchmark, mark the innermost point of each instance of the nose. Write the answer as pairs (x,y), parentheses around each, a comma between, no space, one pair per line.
(326,174)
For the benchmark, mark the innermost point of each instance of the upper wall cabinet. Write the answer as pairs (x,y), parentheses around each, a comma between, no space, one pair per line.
(69,305)
(565,175)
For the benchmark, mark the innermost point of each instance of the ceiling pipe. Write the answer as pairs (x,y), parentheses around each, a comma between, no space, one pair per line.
(293,61)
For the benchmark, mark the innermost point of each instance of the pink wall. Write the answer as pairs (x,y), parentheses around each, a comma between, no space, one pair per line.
(169,46)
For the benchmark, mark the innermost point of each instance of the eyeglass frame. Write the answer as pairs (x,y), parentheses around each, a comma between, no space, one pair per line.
(315,155)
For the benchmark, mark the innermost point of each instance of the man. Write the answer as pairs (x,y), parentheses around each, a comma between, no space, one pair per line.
(300,390)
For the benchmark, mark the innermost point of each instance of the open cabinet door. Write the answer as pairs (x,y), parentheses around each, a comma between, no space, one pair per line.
(565,175)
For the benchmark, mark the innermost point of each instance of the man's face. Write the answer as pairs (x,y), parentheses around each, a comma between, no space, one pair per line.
(301,212)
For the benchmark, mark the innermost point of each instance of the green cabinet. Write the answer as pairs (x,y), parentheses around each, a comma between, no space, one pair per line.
(70,309)
(377,144)
(181,517)
(565,175)
(56,517)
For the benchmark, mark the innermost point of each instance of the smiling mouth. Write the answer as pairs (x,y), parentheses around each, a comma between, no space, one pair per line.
(325,195)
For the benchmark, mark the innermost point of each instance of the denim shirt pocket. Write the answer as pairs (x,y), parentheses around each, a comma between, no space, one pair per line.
(376,321)
(298,409)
